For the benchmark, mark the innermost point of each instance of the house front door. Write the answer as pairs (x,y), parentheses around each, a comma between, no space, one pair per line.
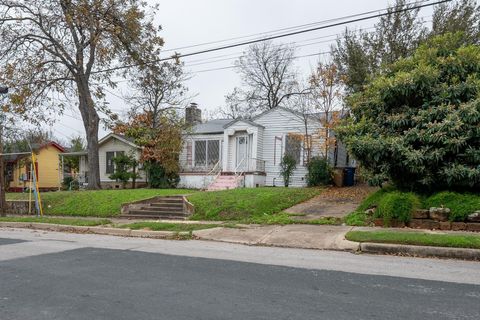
(242,153)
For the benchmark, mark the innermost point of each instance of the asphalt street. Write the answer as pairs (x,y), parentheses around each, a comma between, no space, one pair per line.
(46,275)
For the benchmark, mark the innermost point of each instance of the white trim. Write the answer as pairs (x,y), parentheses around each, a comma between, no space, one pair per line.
(116,136)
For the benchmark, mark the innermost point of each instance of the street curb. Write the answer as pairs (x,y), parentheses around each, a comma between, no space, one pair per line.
(95,230)
(421,251)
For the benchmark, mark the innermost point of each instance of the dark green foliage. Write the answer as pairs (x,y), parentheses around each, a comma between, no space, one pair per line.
(158,177)
(458,16)
(70,183)
(460,204)
(287,166)
(397,206)
(125,169)
(360,54)
(319,172)
(419,123)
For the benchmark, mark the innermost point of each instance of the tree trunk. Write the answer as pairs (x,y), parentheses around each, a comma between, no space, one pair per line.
(91,121)
(93,161)
(3,202)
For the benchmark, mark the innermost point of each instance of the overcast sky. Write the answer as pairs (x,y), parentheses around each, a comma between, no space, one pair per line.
(190,22)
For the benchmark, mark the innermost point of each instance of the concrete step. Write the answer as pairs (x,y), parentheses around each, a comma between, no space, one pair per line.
(167,205)
(163,209)
(219,189)
(149,216)
(169,200)
(155,212)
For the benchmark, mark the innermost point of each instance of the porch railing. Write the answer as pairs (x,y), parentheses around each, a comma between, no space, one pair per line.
(213,174)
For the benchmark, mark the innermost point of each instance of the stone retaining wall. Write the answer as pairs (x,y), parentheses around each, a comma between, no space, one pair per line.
(433,219)
(19,206)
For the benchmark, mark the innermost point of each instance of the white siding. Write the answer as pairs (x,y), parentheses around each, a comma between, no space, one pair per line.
(278,123)
(115,145)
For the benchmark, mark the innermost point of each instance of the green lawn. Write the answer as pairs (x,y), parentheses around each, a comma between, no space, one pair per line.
(160,226)
(460,204)
(416,238)
(69,222)
(99,203)
(249,205)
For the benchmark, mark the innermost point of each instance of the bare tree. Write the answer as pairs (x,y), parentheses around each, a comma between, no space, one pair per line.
(70,49)
(267,75)
(159,89)
(326,85)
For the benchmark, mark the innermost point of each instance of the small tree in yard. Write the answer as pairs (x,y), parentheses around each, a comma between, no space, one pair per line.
(326,84)
(287,166)
(418,123)
(125,169)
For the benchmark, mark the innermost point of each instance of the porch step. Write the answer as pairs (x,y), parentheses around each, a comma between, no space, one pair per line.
(169,207)
(224,182)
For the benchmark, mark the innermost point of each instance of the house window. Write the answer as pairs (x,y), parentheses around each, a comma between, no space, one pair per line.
(110,164)
(213,151)
(293,147)
(207,152)
(110,168)
(307,149)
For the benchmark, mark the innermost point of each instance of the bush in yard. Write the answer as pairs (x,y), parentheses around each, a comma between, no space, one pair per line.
(287,166)
(158,178)
(460,204)
(418,123)
(319,172)
(70,183)
(125,169)
(397,206)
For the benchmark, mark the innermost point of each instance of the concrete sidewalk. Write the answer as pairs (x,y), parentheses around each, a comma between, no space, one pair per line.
(293,236)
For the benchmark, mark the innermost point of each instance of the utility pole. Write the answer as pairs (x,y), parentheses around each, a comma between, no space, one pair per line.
(3,201)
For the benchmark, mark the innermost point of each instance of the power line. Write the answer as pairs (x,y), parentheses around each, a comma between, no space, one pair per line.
(276,31)
(270,37)
(274,37)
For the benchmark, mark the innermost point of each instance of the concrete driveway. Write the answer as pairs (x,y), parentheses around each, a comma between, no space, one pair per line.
(292,236)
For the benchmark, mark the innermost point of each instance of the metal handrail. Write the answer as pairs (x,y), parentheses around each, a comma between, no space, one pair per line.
(238,165)
(237,174)
(212,172)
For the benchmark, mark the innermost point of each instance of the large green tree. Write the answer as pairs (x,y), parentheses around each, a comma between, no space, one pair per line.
(360,54)
(458,16)
(55,53)
(418,124)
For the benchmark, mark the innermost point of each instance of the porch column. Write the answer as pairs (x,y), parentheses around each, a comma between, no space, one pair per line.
(226,146)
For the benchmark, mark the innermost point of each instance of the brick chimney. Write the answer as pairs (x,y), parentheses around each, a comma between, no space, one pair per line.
(193,115)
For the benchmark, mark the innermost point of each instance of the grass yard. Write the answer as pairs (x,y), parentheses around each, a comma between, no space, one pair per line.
(391,203)
(416,238)
(68,222)
(160,226)
(98,203)
(249,205)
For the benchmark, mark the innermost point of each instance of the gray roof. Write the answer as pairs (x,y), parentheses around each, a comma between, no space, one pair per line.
(244,120)
(212,126)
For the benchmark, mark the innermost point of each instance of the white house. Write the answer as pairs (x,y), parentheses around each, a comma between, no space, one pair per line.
(110,146)
(226,153)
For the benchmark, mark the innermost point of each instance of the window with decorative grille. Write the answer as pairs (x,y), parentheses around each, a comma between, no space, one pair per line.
(293,147)
(207,152)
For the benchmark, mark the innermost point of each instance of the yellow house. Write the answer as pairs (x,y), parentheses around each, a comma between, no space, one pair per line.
(47,163)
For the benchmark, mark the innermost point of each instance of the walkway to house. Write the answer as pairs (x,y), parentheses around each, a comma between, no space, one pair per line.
(333,202)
